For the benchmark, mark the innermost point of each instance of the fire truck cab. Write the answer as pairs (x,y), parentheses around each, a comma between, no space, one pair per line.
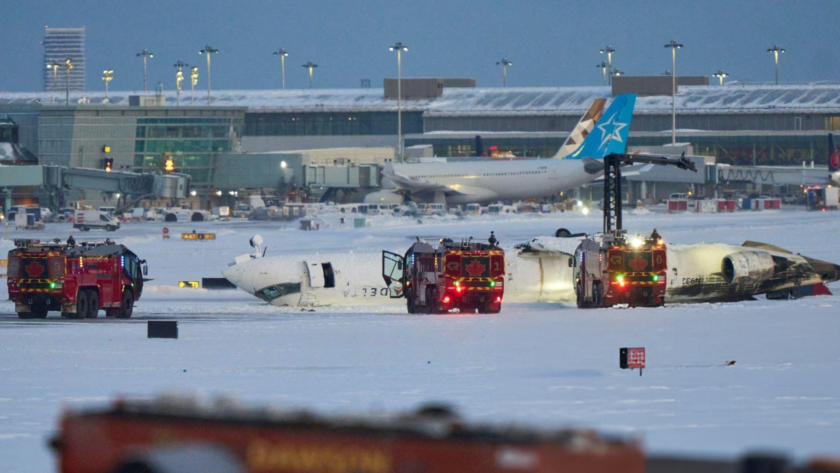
(75,280)
(616,269)
(466,275)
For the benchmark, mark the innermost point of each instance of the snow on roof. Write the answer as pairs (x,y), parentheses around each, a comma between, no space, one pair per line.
(733,98)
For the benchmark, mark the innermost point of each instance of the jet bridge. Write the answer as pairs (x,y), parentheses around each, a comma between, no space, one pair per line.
(134,186)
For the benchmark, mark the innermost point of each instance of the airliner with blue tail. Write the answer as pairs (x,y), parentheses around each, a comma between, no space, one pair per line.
(490,181)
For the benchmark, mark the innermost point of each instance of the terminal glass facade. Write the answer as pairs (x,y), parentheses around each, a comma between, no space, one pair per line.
(331,123)
(192,143)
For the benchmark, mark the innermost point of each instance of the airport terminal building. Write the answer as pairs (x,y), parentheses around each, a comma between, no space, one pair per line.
(741,124)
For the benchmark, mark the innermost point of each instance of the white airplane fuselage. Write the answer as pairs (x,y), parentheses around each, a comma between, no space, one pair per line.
(358,280)
(489,181)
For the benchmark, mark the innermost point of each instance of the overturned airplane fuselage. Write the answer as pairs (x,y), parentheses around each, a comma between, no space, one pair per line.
(539,271)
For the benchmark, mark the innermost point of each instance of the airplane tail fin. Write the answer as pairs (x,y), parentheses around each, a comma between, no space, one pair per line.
(833,156)
(610,133)
(582,129)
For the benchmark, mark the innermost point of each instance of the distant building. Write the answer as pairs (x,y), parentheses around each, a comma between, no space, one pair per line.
(61,44)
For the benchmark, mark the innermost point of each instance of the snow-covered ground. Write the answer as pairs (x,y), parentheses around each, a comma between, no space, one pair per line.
(538,364)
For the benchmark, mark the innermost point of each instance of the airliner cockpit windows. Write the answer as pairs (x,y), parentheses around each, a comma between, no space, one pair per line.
(270,293)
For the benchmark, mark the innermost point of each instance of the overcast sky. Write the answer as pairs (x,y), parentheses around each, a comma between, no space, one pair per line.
(551,42)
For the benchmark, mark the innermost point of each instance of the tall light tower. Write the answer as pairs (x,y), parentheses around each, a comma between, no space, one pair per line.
(283,54)
(399,48)
(179,77)
(609,50)
(54,66)
(107,76)
(720,75)
(617,73)
(674,46)
(207,51)
(310,65)
(504,63)
(68,64)
(193,82)
(776,50)
(603,66)
(145,54)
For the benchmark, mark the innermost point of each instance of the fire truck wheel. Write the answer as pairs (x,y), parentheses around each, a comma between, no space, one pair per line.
(93,308)
(431,302)
(82,305)
(127,305)
(581,302)
(409,296)
(597,297)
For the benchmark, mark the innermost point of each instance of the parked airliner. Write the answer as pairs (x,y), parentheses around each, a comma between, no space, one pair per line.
(489,181)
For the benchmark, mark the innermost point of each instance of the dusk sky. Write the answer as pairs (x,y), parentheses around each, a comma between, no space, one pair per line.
(551,43)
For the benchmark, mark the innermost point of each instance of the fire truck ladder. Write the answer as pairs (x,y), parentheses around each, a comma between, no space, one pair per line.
(612,181)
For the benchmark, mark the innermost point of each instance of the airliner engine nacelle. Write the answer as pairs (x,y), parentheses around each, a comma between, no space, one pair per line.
(748,267)
(383,197)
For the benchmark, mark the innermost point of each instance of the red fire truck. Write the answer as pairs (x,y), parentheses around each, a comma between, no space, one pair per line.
(76,280)
(615,269)
(466,275)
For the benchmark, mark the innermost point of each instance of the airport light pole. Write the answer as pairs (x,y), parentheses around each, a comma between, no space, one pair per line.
(107,76)
(720,75)
(674,46)
(310,65)
(399,48)
(68,64)
(603,67)
(179,77)
(504,63)
(207,51)
(283,54)
(609,50)
(145,54)
(616,72)
(193,82)
(776,50)
(54,66)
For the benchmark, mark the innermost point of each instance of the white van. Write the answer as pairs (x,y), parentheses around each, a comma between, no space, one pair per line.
(85,220)
(436,209)
(472,209)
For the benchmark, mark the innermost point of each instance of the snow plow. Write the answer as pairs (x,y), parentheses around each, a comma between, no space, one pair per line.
(468,275)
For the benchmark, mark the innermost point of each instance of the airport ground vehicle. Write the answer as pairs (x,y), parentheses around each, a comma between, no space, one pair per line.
(613,267)
(466,275)
(617,269)
(76,280)
(152,436)
(85,220)
(823,198)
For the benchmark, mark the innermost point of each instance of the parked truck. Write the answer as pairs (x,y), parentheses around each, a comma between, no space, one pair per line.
(75,280)
(467,275)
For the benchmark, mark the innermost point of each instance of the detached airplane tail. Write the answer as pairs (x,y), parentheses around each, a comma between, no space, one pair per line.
(610,133)
(582,129)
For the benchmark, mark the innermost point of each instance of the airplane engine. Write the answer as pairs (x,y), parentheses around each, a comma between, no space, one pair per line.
(747,267)
(383,197)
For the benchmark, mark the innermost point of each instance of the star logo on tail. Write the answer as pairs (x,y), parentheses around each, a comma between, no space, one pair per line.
(611,129)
